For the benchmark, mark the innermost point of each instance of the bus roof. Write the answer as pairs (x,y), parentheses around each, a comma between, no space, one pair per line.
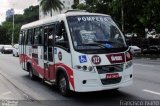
(57,18)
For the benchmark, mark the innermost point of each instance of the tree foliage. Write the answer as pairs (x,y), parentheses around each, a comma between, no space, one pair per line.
(49,5)
(30,14)
(4,37)
(6,29)
(138,14)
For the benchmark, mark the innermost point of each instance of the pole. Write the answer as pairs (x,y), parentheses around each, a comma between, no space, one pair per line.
(122,15)
(13,30)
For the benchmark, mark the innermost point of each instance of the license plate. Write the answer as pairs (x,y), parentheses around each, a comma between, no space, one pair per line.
(112,76)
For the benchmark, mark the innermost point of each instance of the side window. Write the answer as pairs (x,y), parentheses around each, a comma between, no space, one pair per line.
(32,37)
(49,32)
(23,38)
(26,37)
(61,38)
(30,31)
(45,36)
(40,35)
(36,36)
(20,37)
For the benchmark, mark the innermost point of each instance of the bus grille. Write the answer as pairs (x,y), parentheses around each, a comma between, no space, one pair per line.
(109,68)
(111,81)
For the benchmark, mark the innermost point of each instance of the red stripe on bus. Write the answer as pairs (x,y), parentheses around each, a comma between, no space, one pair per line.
(51,74)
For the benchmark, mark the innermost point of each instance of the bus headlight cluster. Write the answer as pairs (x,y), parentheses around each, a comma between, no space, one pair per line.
(84,68)
(128,64)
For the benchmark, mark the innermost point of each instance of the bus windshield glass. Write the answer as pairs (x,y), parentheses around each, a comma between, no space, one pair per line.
(95,32)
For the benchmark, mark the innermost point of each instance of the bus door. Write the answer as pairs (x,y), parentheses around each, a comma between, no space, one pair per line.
(22,49)
(25,49)
(38,41)
(48,52)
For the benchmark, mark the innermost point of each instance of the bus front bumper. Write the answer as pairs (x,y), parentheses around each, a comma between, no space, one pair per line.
(88,82)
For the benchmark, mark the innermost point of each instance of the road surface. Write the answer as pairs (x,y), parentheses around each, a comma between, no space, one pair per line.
(16,85)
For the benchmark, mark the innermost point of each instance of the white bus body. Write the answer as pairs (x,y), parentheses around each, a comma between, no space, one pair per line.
(78,51)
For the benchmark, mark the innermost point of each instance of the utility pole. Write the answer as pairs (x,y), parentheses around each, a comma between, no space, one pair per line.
(122,15)
(13,29)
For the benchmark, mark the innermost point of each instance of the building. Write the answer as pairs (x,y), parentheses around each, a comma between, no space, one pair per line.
(9,13)
(67,6)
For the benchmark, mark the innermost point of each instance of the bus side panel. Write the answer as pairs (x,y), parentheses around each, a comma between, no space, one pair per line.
(26,55)
(63,60)
(22,49)
(40,59)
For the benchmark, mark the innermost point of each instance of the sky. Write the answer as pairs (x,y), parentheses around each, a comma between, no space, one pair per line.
(18,5)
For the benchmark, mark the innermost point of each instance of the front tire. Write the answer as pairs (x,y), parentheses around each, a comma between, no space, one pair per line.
(63,85)
(31,74)
(17,55)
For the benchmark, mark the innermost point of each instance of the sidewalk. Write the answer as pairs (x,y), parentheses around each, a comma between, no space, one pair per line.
(8,91)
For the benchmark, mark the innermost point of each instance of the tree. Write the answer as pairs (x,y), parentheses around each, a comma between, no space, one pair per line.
(6,33)
(49,5)
(138,14)
(4,39)
(30,14)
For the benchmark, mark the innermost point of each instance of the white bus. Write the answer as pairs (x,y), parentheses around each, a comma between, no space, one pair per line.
(77,51)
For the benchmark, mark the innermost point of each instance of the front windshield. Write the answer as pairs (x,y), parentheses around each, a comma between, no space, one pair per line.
(95,32)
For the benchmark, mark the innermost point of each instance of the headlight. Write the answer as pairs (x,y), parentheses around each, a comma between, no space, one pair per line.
(128,64)
(84,68)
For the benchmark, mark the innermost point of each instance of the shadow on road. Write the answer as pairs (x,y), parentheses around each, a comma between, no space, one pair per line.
(100,98)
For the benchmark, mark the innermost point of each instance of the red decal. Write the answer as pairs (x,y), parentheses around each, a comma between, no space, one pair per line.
(50,74)
(69,72)
(116,58)
(128,56)
(96,59)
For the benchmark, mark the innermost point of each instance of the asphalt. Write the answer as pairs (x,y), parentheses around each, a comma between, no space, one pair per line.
(16,85)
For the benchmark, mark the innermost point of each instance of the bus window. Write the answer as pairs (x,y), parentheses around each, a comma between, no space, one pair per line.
(50,36)
(21,38)
(26,37)
(61,36)
(38,36)
(30,34)
(30,31)
(49,32)
(45,43)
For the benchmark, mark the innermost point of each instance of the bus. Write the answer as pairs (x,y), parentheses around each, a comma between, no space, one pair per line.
(77,51)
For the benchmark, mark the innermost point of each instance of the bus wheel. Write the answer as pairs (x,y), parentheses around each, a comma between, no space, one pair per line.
(63,85)
(31,74)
